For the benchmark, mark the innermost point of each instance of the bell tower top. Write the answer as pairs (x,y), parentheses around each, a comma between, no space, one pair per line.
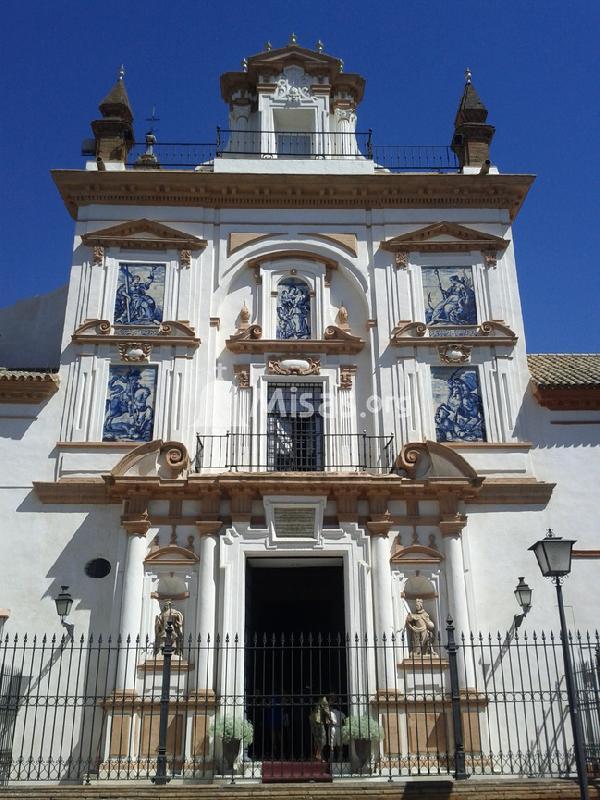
(292,102)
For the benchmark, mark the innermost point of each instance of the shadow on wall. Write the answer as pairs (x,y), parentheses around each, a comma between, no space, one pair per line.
(87,535)
(538,425)
(31,331)
(16,427)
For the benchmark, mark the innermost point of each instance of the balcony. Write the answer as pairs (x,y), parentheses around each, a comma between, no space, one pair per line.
(289,451)
(290,145)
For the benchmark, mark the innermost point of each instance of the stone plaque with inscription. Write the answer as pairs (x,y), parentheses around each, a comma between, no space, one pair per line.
(294,523)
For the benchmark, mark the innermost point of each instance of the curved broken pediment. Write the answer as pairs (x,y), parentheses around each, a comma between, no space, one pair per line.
(416,554)
(427,460)
(153,459)
(171,555)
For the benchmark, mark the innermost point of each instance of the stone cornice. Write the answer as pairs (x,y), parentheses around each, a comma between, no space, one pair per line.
(247,190)
(572,398)
(108,489)
(23,386)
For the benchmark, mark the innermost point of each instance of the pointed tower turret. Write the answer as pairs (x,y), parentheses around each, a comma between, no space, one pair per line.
(114,132)
(472,135)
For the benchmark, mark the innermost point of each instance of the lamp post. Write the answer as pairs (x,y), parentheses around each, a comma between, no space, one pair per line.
(523,596)
(554,560)
(64,601)
(161,778)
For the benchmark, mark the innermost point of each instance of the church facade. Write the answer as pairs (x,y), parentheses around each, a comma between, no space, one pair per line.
(292,397)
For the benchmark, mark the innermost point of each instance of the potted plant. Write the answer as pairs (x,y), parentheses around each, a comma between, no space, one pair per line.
(361,731)
(233,730)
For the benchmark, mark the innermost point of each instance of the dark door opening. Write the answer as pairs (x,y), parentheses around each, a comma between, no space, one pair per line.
(295,654)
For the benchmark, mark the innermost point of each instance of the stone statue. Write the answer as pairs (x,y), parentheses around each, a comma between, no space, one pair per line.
(160,629)
(420,629)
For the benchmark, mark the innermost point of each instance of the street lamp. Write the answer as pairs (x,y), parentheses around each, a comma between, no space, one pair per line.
(523,595)
(554,559)
(64,601)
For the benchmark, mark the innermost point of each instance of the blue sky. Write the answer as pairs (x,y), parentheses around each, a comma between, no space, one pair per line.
(535,65)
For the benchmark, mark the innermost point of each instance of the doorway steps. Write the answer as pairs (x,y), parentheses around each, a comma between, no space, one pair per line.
(422,789)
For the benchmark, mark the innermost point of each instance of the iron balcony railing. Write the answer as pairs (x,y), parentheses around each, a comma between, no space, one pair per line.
(289,145)
(289,451)
(284,706)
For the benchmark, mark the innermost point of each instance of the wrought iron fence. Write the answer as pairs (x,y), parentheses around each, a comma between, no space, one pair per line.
(294,450)
(290,145)
(277,707)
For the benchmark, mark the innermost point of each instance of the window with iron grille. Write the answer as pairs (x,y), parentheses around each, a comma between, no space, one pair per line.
(295,431)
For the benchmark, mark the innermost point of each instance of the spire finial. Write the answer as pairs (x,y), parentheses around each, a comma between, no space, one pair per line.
(341,64)
(319,46)
(268,46)
(244,64)
(293,39)
(121,73)
(468,76)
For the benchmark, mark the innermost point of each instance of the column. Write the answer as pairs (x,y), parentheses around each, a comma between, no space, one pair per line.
(202,699)
(457,599)
(207,605)
(131,603)
(379,527)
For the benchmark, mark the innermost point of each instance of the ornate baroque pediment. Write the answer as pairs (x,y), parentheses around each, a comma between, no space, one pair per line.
(494,332)
(445,237)
(143,234)
(102,331)
(171,555)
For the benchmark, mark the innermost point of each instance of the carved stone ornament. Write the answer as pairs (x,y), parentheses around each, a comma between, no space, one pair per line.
(293,86)
(347,373)
(244,316)
(242,373)
(136,351)
(294,366)
(98,254)
(490,257)
(185,258)
(343,317)
(455,353)
(402,259)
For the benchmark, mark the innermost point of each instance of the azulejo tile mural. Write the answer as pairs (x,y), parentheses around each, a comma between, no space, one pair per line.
(449,296)
(140,294)
(293,309)
(458,406)
(129,414)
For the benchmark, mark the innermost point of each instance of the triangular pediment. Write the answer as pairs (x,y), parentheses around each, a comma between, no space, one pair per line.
(445,237)
(145,234)
(292,54)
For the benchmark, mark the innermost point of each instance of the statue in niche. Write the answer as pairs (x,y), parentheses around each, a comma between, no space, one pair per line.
(293,309)
(160,629)
(420,629)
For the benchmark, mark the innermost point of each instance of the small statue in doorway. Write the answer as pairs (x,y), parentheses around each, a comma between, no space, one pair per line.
(160,629)
(420,629)
(319,719)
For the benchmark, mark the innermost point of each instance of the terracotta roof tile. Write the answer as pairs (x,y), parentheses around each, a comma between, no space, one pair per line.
(554,370)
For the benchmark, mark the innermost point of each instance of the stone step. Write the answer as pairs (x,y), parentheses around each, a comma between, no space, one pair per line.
(423,789)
